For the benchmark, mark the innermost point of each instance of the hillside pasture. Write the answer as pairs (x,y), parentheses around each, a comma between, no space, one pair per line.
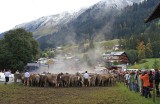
(146,63)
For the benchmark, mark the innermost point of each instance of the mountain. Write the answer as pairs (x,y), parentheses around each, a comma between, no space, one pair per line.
(2,34)
(98,19)
(96,22)
(49,24)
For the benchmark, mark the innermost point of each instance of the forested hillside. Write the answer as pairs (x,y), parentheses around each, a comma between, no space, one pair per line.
(140,40)
(99,24)
(103,21)
(131,20)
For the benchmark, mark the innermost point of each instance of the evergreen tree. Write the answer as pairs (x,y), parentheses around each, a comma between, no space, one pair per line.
(148,50)
(132,55)
(141,50)
(156,49)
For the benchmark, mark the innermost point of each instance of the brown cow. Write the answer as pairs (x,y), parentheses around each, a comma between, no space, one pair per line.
(34,79)
(43,80)
(65,79)
(92,80)
(51,79)
(19,76)
(112,79)
(104,78)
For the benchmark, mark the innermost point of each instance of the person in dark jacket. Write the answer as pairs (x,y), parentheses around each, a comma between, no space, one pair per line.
(151,78)
(157,80)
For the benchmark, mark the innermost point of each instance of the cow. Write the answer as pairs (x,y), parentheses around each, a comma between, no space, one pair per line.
(92,80)
(112,79)
(51,80)
(65,79)
(104,79)
(34,79)
(43,80)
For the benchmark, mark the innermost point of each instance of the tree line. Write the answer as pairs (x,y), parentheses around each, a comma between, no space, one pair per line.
(143,45)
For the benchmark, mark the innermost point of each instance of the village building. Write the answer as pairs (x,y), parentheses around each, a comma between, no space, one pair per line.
(118,56)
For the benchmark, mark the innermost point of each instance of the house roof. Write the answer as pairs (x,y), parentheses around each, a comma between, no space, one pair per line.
(155,14)
(117,53)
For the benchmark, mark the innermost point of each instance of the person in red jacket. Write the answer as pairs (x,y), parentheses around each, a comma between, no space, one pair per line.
(146,84)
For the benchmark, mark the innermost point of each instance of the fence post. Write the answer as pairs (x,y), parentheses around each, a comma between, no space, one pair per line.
(154,91)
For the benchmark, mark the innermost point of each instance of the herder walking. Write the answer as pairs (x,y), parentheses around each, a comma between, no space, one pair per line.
(86,77)
(6,74)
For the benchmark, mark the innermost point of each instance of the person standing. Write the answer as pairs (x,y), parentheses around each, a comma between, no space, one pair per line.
(157,80)
(126,78)
(132,81)
(6,74)
(140,83)
(16,76)
(86,77)
(151,79)
(26,78)
(129,80)
(146,84)
(136,83)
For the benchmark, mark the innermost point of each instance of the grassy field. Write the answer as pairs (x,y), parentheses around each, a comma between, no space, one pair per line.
(148,63)
(119,94)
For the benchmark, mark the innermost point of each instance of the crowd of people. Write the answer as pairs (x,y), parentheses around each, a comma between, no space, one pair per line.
(142,81)
(7,74)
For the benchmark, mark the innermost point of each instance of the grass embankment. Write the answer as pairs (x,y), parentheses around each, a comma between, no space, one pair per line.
(119,94)
(146,63)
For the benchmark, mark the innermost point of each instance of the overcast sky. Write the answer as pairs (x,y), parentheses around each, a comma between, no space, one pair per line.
(14,12)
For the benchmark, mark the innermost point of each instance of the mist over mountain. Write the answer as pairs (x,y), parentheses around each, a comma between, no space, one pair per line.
(95,21)
(48,24)
(103,21)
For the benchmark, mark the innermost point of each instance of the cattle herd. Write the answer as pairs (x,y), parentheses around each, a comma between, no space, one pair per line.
(68,80)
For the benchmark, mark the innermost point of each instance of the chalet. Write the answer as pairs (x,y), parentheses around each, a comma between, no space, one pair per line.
(120,57)
(155,14)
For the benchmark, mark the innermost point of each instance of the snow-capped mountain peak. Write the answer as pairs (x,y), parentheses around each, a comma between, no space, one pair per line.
(53,23)
(54,20)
